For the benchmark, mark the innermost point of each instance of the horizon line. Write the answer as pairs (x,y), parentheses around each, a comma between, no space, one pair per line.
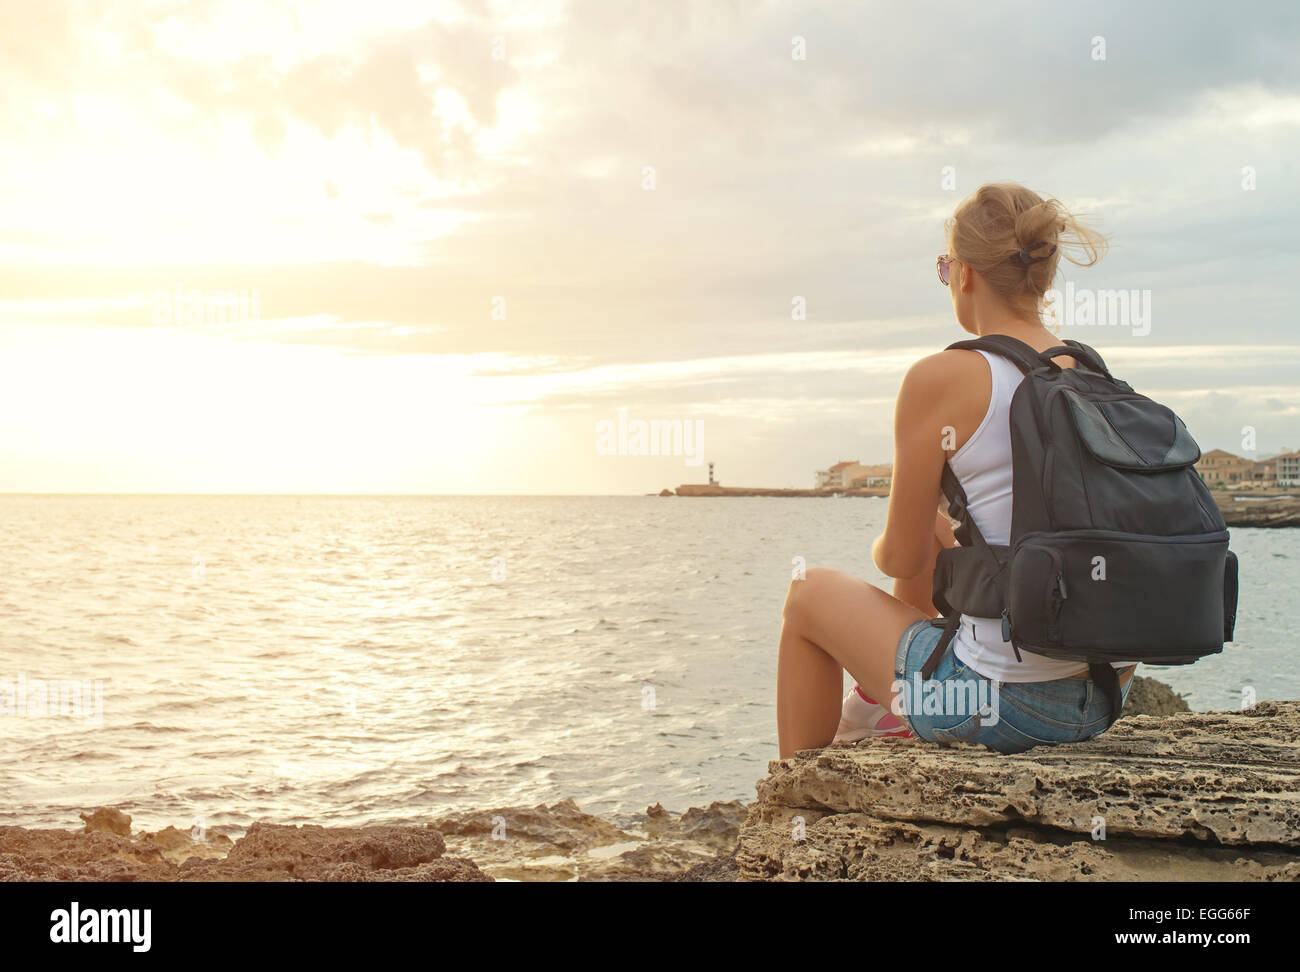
(381,494)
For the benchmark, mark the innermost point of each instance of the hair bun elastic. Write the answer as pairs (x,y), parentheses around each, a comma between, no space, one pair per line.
(1025,259)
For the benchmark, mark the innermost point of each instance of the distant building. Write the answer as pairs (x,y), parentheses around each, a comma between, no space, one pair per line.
(880,474)
(1220,468)
(837,477)
(851,474)
(1264,471)
(1288,469)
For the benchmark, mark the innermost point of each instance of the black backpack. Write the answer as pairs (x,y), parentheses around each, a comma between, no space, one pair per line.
(1118,551)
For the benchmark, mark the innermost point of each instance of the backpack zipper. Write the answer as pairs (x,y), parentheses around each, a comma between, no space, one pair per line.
(1006,633)
(1213,536)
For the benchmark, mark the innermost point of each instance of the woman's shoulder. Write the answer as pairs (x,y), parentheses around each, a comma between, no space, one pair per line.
(938,371)
(955,384)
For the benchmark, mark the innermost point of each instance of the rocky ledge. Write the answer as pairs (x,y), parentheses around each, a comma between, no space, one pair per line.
(1280,512)
(105,851)
(1190,796)
(542,843)
(562,843)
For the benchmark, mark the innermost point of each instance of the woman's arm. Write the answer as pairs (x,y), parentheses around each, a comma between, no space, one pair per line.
(931,415)
(918,591)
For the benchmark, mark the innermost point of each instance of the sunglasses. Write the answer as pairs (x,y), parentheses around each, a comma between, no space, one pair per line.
(942,263)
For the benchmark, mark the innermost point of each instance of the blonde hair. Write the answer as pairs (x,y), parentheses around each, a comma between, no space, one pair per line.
(1015,239)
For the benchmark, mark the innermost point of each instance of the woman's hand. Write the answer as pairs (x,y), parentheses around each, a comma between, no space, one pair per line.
(943,527)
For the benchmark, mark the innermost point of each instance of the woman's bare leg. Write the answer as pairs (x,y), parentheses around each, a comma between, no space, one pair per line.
(833,621)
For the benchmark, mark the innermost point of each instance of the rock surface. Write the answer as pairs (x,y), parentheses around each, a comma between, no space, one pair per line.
(1146,696)
(1192,796)
(1282,512)
(107,820)
(542,843)
(562,843)
(178,846)
(268,852)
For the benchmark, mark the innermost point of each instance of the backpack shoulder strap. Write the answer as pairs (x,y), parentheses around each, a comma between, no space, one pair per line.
(1090,357)
(1026,358)
(1013,349)
(968,535)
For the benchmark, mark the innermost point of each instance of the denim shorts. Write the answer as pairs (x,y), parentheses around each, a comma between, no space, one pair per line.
(960,705)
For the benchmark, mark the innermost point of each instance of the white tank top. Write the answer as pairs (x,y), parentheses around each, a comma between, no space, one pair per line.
(983,467)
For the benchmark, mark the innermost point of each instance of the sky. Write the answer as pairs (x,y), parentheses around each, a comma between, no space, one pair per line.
(329,247)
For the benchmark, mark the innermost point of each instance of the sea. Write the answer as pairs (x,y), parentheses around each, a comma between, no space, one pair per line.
(210,661)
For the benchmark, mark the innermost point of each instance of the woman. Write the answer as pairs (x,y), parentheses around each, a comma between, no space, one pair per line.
(1004,246)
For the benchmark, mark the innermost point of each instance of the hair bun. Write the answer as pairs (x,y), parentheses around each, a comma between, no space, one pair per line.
(1016,239)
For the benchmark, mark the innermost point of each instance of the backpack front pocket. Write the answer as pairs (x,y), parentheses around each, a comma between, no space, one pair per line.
(1100,595)
(1038,590)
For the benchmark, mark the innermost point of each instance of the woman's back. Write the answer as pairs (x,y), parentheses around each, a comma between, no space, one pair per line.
(983,467)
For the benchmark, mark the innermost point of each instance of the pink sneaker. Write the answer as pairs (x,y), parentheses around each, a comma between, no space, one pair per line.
(861,718)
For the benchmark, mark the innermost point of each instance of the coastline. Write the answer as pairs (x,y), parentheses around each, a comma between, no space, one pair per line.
(1254,509)
(559,842)
(703,489)
(543,843)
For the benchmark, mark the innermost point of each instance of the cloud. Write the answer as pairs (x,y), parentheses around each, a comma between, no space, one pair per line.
(388,84)
(383,172)
(382,89)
